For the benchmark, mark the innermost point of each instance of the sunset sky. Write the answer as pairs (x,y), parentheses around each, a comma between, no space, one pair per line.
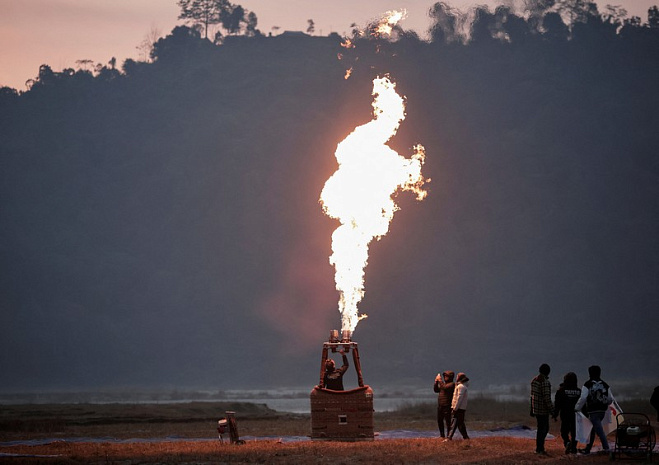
(60,32)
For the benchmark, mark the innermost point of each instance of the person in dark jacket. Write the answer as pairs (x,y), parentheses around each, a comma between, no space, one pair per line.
(444,386)
(596,396)
(333,378)
(564,401)
(654,400)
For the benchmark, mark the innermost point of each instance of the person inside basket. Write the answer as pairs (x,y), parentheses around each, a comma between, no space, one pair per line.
(333,378)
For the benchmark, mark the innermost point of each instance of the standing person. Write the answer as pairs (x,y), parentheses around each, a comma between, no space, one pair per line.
(654,400)
(566,398)
(333,378)
(459,407)
(445,387)
(596,395)
(541,406)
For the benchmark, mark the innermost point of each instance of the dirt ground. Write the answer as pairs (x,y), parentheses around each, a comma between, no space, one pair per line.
(191,429)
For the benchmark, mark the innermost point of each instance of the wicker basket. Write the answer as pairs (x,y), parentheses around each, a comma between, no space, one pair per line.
(342,415)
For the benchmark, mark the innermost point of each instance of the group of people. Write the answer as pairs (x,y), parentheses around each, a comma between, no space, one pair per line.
(451,399)
(593,400)
(451,404)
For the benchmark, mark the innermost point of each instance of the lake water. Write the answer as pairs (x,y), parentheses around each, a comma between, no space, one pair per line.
(292,400)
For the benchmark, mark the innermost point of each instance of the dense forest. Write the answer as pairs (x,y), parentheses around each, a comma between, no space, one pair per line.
(160,224)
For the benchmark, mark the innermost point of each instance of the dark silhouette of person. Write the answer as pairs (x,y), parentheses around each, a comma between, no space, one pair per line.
(444,386)
(654,400)
(333,378)
(564,401)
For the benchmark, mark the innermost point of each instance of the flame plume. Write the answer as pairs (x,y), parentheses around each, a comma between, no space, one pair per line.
(360,194)
(387,23)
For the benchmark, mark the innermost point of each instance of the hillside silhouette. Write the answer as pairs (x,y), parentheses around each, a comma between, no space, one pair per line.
(160,224)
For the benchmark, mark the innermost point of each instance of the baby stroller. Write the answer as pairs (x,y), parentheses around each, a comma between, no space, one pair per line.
(635,436)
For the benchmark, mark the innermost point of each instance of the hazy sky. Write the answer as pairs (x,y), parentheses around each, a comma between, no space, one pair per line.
(167,232)
(60,32)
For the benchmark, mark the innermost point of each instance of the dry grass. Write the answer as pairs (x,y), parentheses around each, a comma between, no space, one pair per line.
(394,451)
(198,420)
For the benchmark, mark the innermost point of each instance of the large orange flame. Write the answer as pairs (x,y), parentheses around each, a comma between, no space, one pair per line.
(360,194)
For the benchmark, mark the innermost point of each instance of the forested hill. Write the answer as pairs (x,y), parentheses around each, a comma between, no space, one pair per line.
(160,224)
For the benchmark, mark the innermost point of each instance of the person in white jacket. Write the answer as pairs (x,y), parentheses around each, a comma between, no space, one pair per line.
(459,407)
(596,396)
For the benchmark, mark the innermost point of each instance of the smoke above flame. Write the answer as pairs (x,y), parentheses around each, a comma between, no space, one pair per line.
(360,194)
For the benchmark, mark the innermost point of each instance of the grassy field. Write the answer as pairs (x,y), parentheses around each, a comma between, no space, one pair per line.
(197,421)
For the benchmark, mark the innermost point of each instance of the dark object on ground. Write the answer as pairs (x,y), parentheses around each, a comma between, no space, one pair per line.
(635,437)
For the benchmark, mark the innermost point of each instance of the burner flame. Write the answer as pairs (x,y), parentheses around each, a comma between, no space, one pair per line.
(360,194)
(386,25)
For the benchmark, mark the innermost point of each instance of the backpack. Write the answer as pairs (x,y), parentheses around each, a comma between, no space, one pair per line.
(598,396)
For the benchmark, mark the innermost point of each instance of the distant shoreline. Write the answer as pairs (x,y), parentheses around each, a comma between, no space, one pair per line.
(292,400)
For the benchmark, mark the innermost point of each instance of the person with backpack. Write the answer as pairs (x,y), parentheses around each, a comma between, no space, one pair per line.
(596,396)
